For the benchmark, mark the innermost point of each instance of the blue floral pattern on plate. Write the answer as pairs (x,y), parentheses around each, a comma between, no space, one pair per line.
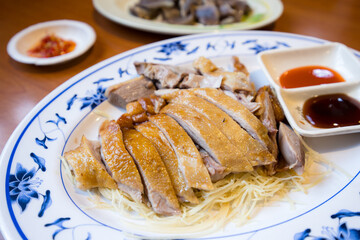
(342,232)
(23,186)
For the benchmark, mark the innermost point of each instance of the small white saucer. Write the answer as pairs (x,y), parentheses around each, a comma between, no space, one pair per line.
(81,33)
(332,55)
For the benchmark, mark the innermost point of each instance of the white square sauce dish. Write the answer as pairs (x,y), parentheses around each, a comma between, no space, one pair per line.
(303,76)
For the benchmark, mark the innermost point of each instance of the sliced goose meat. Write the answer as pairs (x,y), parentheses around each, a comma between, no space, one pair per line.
(216,171)
(249,148)
(157,102)
(168,76)
(238,66)
(244,99)
(189,159)
(85,162)
(291,148)
(201,81)
(118,161)
(207,14)
(238,112)
(209,137)
(232,81)
(157,182)
(167,154)
(154,4)
(129,91)
(204,65)
(278,111)
(266,112)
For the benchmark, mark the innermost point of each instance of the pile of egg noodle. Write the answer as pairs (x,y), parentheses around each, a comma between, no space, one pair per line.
(235,199)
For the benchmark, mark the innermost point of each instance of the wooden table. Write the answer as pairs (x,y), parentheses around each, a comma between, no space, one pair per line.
(23,86)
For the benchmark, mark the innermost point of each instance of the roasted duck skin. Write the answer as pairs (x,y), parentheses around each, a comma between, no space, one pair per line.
(189,159)
(167,154)
(209,137)
(118,161)
(89,171)
(158,185)
(251,149)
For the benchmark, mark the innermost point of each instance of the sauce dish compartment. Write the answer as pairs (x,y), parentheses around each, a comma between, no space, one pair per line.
(332,55)
(293,101)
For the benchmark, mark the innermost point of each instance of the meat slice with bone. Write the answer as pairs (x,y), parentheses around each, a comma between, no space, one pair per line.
(216,170)
(250,149)
(85,162)
(168,76)
(291,148)
(167,154)
(238,112)
(157,182)
(189,159)
(118,161)
(267,116)
(129,91)
(232,81)
(209,137)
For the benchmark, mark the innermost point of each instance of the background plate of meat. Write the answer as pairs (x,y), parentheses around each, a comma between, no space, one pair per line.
(40,202)
(177,21)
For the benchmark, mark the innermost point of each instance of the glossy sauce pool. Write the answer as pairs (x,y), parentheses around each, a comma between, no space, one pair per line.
(332,110)
(309,76)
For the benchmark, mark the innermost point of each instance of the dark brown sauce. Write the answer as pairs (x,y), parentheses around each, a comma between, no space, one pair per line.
(309,76)
(332,110)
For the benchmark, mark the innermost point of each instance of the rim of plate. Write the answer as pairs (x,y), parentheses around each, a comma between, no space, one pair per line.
(8,223)
(275,7)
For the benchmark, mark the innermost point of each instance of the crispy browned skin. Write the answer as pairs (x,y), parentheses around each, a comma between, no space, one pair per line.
(238,112)
(189,159)
(167,154)
(209,137)
(158,185)
(250,149)
(85,162)
(119,163)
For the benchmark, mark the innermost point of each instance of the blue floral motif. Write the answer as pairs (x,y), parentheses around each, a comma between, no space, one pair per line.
(23,186)
(193,51)
(121,72)
(93,97)
(60,224)
(342,232)
(258,48)
(42,142)
(170,48)
(105,79)
(230,45)
(209,45)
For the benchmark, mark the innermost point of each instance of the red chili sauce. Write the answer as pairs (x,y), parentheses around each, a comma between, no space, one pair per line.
(51,46)
(309,76)
(332,110)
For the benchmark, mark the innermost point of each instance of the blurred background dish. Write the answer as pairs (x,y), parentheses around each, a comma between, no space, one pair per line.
(55,33)
(264,12)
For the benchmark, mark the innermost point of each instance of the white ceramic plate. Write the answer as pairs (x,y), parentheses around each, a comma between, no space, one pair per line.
(81,33)
(39,202)
(332,55)
(264,13)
